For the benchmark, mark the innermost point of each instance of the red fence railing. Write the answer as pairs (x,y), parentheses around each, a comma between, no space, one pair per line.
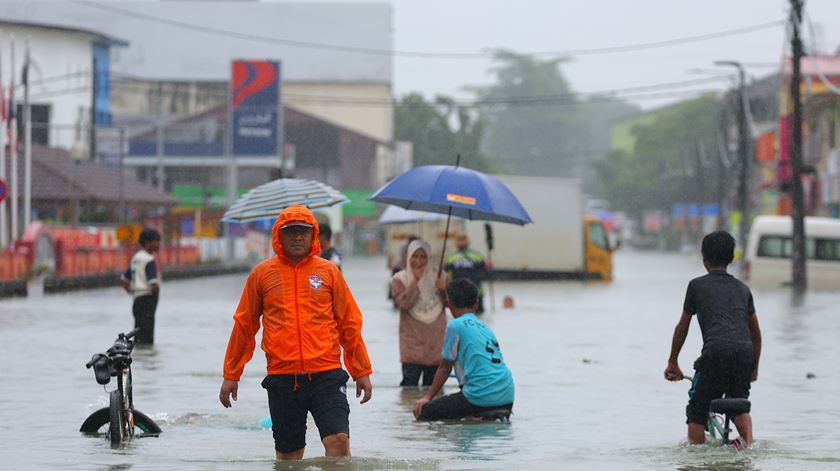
(91,261)
(13,266)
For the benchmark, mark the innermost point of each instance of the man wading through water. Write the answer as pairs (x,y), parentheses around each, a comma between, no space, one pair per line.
(308,315)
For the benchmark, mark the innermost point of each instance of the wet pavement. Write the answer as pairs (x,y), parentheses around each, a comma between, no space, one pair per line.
(587,360)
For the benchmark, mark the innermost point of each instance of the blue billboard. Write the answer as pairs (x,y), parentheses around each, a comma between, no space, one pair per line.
(255,93)
(102,84)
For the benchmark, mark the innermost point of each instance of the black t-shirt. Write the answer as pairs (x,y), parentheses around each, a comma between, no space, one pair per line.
(723,306)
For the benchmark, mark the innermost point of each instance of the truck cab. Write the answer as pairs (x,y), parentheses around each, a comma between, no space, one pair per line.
(596,248)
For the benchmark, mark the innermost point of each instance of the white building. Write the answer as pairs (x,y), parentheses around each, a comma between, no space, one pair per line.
(336,66)
(331,53)
(60,77)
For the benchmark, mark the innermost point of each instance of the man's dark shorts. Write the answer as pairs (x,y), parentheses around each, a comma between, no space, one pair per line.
(323,394)
(454,406)
(721,372)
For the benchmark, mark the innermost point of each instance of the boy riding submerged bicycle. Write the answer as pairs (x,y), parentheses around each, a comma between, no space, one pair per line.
(728,362)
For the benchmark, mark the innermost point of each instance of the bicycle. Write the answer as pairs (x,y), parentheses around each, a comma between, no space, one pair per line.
(721,413)
(120,417)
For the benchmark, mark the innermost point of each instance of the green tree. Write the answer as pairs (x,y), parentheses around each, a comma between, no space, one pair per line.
(440,130)
(674,159)
(526,134)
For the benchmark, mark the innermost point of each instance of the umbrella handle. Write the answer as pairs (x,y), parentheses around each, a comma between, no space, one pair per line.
(445,238)
(448,218)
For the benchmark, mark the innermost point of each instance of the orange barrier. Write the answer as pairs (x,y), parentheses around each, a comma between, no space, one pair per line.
(75,261)
(13,266)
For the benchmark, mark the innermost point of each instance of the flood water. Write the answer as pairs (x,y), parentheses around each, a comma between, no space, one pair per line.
(587,359)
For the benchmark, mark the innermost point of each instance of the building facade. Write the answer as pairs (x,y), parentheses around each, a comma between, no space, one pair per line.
(69,78)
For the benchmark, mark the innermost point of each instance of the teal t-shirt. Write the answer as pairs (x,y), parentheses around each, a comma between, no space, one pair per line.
(471,346)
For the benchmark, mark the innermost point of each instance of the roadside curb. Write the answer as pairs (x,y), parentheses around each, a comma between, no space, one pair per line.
(60,284)
(13,289)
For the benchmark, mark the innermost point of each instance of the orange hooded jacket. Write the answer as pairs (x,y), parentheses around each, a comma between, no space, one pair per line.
(308,313)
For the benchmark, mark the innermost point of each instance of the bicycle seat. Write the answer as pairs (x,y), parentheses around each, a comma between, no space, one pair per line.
(502,415)
(730,406)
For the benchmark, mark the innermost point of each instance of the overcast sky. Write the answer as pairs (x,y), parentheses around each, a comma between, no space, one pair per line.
(540,25)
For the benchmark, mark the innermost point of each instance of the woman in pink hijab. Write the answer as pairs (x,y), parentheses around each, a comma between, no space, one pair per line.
(419,294)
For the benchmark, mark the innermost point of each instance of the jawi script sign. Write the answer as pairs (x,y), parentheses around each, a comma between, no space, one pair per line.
(255,95)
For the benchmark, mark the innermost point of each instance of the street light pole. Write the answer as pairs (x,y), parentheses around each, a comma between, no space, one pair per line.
(799,278)
(743,155)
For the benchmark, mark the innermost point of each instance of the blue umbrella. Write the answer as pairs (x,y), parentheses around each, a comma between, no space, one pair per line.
(454,191)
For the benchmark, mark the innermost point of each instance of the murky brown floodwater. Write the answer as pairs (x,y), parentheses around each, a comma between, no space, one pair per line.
(587,360)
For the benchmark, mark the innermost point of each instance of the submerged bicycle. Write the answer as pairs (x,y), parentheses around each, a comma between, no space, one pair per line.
(120,417)
(721,413)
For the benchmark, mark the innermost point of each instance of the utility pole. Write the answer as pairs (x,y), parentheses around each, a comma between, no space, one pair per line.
(27,142)
(744,157)
(4,227)
(121,205)
(232,175)
(13,153)
(92,118)
(159,139)
(799,276)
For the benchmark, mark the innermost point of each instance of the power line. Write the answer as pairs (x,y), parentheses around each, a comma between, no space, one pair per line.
(547,100)
(422,54)
(600,95)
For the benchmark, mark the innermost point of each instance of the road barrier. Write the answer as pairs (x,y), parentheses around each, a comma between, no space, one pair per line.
(13,266)
(82,261)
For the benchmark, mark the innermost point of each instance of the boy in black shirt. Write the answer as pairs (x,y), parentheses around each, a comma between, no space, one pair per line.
(728,362)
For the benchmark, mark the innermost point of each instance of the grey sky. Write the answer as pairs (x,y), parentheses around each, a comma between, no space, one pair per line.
(473,25)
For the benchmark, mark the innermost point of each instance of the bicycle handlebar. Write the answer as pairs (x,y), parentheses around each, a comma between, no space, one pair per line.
(130,334)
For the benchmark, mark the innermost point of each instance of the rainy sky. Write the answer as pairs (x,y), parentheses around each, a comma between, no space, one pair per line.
(562,25)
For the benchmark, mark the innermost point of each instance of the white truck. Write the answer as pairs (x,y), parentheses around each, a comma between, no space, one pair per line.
(561,243)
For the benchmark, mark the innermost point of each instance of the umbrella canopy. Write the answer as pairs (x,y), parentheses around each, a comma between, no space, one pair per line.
(268,199)
(397,215)
(452,190)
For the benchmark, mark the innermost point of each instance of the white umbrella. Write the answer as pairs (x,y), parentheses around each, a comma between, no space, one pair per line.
(267,200)
(398,215)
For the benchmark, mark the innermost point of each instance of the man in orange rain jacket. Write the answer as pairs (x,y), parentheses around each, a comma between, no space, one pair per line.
(308,315)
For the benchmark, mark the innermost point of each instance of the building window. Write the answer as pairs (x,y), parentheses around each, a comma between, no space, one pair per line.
(40,123)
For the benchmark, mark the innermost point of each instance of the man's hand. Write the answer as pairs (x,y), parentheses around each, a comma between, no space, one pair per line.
(363,384)
(229,389)
(754,375)
(418,406)
(155,288)
(673,372)
(126,286)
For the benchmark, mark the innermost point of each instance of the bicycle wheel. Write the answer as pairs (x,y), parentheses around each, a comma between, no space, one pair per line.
(101,418)
(116,419)
(715,427)
(146,424)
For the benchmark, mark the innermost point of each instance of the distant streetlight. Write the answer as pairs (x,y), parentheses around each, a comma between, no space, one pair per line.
(743,153)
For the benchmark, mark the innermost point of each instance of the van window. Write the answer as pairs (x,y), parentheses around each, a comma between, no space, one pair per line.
(598,235)
(815,249)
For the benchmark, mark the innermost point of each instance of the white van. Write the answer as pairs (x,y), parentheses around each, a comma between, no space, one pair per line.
(769,248)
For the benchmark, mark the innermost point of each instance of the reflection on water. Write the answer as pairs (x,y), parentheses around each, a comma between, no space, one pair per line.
(476,440)
(587,359)
(354,464)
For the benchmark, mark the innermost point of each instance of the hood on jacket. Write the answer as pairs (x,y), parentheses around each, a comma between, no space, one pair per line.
(300,214)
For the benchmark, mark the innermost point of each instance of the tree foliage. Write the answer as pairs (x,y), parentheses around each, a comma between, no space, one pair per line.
(674,159)
(540,126)
(440,130)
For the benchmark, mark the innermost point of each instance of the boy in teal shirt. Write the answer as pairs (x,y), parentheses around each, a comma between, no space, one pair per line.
(472,349)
